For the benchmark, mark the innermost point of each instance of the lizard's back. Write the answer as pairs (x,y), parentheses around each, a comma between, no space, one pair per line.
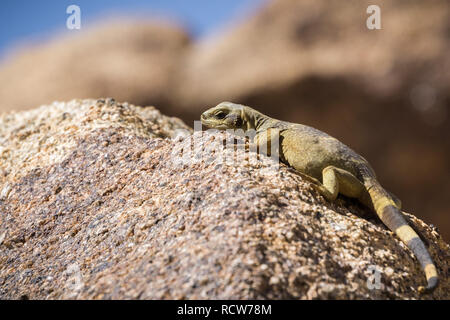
(310,150)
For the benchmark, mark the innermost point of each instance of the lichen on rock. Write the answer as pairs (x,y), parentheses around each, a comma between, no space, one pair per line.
(97,203)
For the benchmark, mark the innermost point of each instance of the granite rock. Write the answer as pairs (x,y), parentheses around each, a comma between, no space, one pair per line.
(105,200)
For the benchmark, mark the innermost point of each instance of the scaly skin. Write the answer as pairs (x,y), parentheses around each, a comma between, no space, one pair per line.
(330,165)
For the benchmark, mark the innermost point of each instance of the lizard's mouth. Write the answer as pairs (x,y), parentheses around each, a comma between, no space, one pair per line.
(212,123)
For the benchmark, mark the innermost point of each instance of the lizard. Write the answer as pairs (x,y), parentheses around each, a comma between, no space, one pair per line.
(332,167)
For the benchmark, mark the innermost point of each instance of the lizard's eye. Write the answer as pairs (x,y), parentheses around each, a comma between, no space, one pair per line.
(220,115)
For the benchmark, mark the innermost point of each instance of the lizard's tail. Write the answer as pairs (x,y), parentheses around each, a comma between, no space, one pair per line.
(392,217)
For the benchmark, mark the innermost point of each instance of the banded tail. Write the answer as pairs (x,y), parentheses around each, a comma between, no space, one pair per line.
(392,217)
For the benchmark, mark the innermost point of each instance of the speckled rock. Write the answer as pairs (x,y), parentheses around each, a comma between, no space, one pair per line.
(101,200)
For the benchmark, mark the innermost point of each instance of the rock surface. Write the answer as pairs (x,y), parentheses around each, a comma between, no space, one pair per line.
(103,200)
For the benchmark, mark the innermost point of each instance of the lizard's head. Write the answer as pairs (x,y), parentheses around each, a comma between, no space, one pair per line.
(225,115)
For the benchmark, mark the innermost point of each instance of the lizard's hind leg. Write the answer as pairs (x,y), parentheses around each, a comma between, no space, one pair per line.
(336,180)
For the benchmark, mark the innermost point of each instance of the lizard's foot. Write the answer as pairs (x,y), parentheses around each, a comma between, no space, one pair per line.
(318,186)
(324,192)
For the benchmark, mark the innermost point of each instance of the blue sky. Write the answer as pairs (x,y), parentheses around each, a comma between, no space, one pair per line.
(21,21)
